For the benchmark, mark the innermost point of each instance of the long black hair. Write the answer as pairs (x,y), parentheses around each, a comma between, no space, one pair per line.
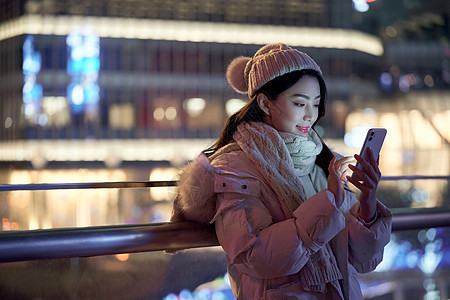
(252,112)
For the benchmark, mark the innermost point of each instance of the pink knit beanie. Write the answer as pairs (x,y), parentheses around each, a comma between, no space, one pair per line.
(248,75)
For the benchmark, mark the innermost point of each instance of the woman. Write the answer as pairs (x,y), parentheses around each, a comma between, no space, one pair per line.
(276,193)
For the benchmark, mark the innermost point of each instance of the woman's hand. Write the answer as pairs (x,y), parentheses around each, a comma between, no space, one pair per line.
(338,177)
(366,180)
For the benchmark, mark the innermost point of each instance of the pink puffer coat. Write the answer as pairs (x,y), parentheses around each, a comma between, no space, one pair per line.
(265,251)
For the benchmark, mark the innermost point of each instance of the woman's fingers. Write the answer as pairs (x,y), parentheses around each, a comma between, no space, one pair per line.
(361,178)
(334,182)
(374,164)
(341,165)
(365,179)
(331,168)
(369,166)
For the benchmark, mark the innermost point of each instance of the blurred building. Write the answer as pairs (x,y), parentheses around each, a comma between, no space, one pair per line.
(155,69)
(114,81)
(87,85)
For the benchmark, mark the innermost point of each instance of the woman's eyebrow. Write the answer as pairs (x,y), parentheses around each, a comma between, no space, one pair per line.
(305,96)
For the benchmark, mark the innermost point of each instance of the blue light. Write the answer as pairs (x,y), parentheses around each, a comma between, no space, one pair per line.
(31,59)
(83,65)
(171,297)
(186,295)
(91,65)
(74,67)
(75,95)
(387,82)
(361,5)
(32,92)
(91,94)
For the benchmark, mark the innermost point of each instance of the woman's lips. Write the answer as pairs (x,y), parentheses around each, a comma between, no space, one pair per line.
(303,129)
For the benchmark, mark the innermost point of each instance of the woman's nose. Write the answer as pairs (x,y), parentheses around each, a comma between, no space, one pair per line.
(308,115)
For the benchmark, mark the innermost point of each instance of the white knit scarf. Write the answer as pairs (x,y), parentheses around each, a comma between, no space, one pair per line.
(303,150)
(266,148)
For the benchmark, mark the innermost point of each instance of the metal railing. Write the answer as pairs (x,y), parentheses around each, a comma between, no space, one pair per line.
(85,185)
(105,240)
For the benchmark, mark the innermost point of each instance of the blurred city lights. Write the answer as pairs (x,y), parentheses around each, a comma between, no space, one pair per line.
(428,80)
(218,289)
(404,83)
(426,130)
(57,111)
(32,91)
(233,105)
(432,256)
(355,137)
(122,116)
(62,208)
(162,174)
(423,131)
(401,254)
(361,5)
(387,82)
(122,257)
(100,150)
(440,121)
(83,66)
(170,113)
(158,114)
(430,286)
(8,122)
(212,32)
(391,31)
(31,58)
(194,106)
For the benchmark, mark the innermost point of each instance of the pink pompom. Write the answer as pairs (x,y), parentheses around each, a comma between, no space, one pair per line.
(235,74)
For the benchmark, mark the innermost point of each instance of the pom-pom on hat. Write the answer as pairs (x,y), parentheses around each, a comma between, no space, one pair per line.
(248,75)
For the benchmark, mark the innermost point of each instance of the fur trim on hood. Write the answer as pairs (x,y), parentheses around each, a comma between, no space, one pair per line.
(195,199)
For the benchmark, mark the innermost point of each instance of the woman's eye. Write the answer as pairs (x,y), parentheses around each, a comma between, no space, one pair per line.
(299,104)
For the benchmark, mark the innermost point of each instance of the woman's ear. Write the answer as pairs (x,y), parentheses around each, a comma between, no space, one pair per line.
(263,103)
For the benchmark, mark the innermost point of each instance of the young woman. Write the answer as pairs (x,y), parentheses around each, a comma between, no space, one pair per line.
(276,193)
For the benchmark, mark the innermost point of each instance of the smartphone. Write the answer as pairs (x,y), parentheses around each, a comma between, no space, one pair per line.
(374,140)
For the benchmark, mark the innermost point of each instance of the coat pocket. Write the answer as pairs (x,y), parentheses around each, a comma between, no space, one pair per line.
(289,291)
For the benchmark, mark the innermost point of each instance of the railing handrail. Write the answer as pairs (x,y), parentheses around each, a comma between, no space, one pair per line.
(148,184)
(86,185)
(106,240)
(415,177)
(103,240)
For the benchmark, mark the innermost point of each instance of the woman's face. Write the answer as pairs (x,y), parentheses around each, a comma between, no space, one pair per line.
(296,109)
